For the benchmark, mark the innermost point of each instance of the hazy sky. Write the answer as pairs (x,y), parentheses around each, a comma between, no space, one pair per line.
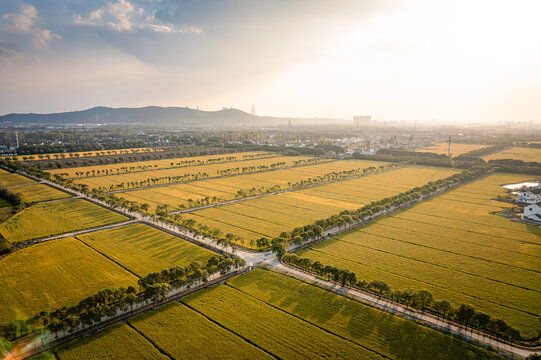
(455,61)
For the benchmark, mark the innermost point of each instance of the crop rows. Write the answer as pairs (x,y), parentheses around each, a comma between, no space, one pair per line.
(270,215)
(454,247)
(38,192)
(58,217)
(179,195)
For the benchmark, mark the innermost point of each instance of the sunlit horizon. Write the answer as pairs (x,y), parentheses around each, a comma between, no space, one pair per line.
(465,62)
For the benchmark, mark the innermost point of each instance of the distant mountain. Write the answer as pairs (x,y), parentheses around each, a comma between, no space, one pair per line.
(150,115)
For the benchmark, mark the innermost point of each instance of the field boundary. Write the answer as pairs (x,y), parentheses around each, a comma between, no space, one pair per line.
(448,327)
(217,177)
(284,190)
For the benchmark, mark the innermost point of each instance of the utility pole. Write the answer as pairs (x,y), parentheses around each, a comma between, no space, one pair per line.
(17,139)
(449,148)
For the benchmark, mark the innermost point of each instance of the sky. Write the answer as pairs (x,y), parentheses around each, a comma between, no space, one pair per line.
(461,61)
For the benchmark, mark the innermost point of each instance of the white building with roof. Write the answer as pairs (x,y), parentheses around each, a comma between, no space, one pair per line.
(533,212)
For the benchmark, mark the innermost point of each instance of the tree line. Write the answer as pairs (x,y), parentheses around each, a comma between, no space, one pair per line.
(315,230)
(108,302)
(421,299)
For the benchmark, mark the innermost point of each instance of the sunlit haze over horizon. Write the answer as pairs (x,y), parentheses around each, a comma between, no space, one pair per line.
(439,61)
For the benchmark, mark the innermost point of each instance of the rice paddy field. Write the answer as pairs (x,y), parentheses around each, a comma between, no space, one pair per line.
(143,249)
(516,153)
(55,274)
(38,192)
(455,247)
(456,149)
(78,154)
(91,171)
(119,342)
(177,195)
(109,182)
(57,217)
(183,334)
(270,215)
(8,179)
(265,315)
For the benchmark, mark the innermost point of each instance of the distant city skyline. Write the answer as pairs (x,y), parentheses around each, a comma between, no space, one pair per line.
(465,61)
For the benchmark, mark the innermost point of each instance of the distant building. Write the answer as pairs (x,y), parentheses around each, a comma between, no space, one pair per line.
(533,212)
(530,196)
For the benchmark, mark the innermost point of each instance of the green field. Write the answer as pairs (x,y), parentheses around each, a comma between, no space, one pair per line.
(373,329)
(516,153)
(57,217)
(38,192)
(454,247)
(117,342)
(270,215)
(143,249)
(184,334)
(8,179)
(456,149)
(54,274)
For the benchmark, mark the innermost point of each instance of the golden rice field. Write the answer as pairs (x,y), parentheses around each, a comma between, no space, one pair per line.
(143,249)
(270,215)
(184,334)
(56,217)
(55,274)
(456,149)
(516,153)
(78,154)
(378,331)
(211,170)
(8,179)
(90,171)
(226,188)
(454,247)
(119,342)
(38,192)
(264,315)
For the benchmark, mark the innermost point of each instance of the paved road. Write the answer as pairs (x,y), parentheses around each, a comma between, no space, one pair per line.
(269,259)
(403,311)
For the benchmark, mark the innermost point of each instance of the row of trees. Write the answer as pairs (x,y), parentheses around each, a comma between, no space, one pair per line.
(153,287)
(67,148)
(15,199)
(347,217)
(422,299)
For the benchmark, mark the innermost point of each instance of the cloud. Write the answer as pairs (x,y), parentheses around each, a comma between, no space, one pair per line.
(23,22)
(122,15)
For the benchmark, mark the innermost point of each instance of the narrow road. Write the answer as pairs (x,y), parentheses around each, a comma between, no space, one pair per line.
(269,259)
(405,312)
(27,243)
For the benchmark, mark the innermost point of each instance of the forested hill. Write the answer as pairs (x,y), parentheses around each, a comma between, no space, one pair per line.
(151,115)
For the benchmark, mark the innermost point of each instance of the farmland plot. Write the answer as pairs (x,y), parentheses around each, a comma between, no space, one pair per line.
(270,215)
(110,181)
(283,335)
(119,342)
(143,249)
(373,329)
(7,179)
(127,167)
(454,247)
(58,217)
(184,334)
(226,188)
(456,149)
(54,274)
(517,153)
(38,192)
